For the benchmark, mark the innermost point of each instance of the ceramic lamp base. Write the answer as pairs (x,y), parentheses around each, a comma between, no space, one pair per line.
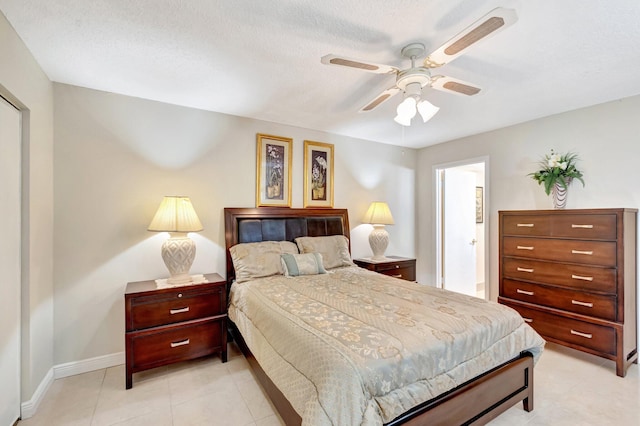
(378,240)
(178,253)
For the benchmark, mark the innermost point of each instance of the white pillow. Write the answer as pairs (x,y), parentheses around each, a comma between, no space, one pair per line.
(334,249)
(302,264)
(255,260)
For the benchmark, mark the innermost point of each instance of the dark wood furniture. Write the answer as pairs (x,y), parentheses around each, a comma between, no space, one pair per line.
(394,266)
(475,402)
(572,275)
(167,325)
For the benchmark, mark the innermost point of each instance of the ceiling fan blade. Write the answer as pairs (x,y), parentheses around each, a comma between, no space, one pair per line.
(382,97)
(453,85)
(356,63)
(491,23)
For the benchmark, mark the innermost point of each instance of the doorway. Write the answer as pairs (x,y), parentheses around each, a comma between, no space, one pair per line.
(10,261)
(461,226)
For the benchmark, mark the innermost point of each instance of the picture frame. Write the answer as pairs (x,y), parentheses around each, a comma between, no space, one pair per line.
(318,174)
(479,204)
(273,170)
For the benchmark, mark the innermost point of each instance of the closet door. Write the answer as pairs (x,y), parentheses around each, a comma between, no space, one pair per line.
(10,246)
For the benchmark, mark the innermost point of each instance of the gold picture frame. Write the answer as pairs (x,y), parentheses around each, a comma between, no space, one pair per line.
(273,171)
(318,174)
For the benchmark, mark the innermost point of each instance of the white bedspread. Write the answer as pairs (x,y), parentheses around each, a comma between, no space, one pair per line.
(355,347)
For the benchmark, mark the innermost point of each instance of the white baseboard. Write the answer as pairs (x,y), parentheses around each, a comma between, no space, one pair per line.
(86,365)
(28,408)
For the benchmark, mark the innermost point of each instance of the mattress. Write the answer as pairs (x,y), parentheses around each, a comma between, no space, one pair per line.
(353,347)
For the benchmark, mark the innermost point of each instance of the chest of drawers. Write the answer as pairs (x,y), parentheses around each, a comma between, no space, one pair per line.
(572,276)
(167,325)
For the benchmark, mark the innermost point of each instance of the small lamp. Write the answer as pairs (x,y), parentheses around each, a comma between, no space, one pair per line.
(378,215)
(177,216)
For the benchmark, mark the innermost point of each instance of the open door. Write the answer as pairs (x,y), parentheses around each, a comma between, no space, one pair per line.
(10,268)
(459,231)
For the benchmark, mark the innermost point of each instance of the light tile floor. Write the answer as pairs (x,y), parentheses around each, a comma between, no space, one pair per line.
(571,388)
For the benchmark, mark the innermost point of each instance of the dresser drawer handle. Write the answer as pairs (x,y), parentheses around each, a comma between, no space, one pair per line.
(528,293)
(397,276)
(527,319)
(519,269)
(525,225)
(181,343)
(582,226)
(588,253)
(179,311)
(580,277)
(524,247)
(587,304)
(585,335)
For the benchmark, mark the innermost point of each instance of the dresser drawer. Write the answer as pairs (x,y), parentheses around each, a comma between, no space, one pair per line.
(178,305)
(595,305)
(160,346)
(582,277)
(526,225)
(554,327)
(601,253)
(587,226)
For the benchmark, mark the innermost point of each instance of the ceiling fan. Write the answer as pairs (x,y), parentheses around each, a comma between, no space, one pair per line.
(412,80)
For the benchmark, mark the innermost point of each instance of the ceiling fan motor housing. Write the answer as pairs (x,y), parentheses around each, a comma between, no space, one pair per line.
(413,79)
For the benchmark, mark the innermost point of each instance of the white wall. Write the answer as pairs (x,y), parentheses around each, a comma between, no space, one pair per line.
(116,156)
(23,82)
(605,137)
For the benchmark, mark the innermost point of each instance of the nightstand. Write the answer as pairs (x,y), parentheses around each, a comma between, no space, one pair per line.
(395,266)
(172,324)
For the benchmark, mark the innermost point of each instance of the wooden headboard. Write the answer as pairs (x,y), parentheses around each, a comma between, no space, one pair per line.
(249,225)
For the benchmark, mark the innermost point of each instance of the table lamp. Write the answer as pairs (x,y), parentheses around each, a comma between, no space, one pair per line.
(378,215)
(177,216)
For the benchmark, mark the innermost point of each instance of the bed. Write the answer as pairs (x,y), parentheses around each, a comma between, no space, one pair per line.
(309,370)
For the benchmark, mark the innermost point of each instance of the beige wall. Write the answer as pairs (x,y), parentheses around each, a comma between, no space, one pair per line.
(116,156)
(23,82)
(605,137)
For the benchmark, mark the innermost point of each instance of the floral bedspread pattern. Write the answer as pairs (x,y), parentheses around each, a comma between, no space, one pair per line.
(355,347)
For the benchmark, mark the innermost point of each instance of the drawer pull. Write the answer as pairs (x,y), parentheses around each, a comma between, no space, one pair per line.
(585,335)
(527,319)
(580,277)
(587,304)
(397,276)
(528,293)
(179,311)
(524,247)
(525,225)
(519,269)
(181,343)
(588,253)
(582,226)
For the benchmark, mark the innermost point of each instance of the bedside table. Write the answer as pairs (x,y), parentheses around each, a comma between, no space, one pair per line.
(395,266)
(172,324)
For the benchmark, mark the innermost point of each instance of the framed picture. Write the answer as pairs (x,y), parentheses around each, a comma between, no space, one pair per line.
(479,205)
(273,171)
(318,174)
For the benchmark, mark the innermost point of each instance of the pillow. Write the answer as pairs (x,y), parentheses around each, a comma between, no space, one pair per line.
(255,260)
(302,264)
(334,249)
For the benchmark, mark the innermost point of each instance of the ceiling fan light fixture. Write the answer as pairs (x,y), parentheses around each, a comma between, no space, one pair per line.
(405,121)
(406,111)
(427,110)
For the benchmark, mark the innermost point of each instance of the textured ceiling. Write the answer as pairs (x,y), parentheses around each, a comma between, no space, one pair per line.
(261,58)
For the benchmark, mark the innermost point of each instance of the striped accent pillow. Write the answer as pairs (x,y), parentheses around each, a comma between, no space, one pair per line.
(302,264)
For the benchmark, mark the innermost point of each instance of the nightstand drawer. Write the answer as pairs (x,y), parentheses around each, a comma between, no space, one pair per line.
(394,266)
(405,273)
(557,328)
(595,305)
(156,347)
(176,306)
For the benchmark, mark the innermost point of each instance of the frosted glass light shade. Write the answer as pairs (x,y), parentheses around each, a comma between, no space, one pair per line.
(177,216)
(427,110)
